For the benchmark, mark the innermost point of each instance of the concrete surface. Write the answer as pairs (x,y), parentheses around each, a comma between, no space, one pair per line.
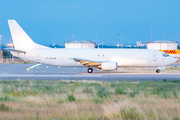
(44,72)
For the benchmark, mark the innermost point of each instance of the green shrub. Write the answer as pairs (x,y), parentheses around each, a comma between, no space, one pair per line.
(61,101)
(176,118)
(103,93)
(164,80)
(87,90)
(120,90)
(112,84)
(96,101)
(130,114)
(4,107)
(5,98)
(91,118)
(163,94)
(75,84)
(132,94)
(71,98)
(175,81)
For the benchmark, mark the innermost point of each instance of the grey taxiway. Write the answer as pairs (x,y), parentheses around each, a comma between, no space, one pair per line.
(44,72)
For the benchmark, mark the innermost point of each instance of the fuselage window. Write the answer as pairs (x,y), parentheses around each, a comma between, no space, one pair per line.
(165,55)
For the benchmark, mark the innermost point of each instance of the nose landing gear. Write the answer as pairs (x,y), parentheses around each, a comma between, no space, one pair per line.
(90,70)
(158,71)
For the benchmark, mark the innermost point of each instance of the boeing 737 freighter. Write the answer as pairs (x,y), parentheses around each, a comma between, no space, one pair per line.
(103,59)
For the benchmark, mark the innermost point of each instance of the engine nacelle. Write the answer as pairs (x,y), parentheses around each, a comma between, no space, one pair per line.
(109,66)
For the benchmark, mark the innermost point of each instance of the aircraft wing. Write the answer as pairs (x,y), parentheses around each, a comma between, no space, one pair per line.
(87,62)
(14,50)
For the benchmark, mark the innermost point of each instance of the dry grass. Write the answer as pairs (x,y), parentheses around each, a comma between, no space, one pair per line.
(152,107)
(91,103)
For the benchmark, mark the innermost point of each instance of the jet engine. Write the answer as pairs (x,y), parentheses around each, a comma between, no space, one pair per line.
(109,66)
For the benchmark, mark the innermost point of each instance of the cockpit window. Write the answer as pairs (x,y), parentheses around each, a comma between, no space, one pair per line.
(165,55)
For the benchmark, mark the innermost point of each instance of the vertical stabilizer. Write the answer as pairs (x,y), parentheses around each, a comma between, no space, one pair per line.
(20,39)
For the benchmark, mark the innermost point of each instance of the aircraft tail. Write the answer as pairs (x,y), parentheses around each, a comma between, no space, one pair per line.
(20,39)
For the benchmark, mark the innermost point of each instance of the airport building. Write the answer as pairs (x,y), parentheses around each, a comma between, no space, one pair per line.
(139,44)
(162,45)
(80,44)
(169,47)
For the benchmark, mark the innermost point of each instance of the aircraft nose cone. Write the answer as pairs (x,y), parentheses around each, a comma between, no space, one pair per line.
(174,60)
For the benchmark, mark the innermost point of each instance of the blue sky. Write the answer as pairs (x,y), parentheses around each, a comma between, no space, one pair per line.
(100,20)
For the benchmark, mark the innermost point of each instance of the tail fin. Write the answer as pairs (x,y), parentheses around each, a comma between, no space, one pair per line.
(20,39)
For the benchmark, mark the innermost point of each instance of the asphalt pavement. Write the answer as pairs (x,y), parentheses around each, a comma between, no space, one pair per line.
(44,72)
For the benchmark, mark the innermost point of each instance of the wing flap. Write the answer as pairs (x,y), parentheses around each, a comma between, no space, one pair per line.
(87,62)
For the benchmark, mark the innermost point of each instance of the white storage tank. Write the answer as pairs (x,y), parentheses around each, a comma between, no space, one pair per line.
(80,44)
(162,45)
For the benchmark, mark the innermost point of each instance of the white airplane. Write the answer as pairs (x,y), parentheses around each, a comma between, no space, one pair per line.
(103,59)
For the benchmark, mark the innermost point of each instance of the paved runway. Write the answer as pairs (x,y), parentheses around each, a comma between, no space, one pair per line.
(44,72)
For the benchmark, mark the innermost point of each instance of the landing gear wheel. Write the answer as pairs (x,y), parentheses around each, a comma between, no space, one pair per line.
(90,70)
(158,71)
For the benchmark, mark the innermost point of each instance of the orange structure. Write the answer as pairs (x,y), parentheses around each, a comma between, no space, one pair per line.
(171,51)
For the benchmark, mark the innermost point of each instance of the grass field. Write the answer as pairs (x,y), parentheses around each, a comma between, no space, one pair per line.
(89,100)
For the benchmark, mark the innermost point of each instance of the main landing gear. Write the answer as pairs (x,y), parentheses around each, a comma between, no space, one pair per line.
(90,70)
(158,71)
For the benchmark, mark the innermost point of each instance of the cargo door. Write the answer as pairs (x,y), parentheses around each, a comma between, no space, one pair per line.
(154,56)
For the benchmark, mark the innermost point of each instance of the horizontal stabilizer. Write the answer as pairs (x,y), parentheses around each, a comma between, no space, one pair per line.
(14,50)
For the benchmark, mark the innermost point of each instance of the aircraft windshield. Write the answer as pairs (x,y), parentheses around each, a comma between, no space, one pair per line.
(165,55)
